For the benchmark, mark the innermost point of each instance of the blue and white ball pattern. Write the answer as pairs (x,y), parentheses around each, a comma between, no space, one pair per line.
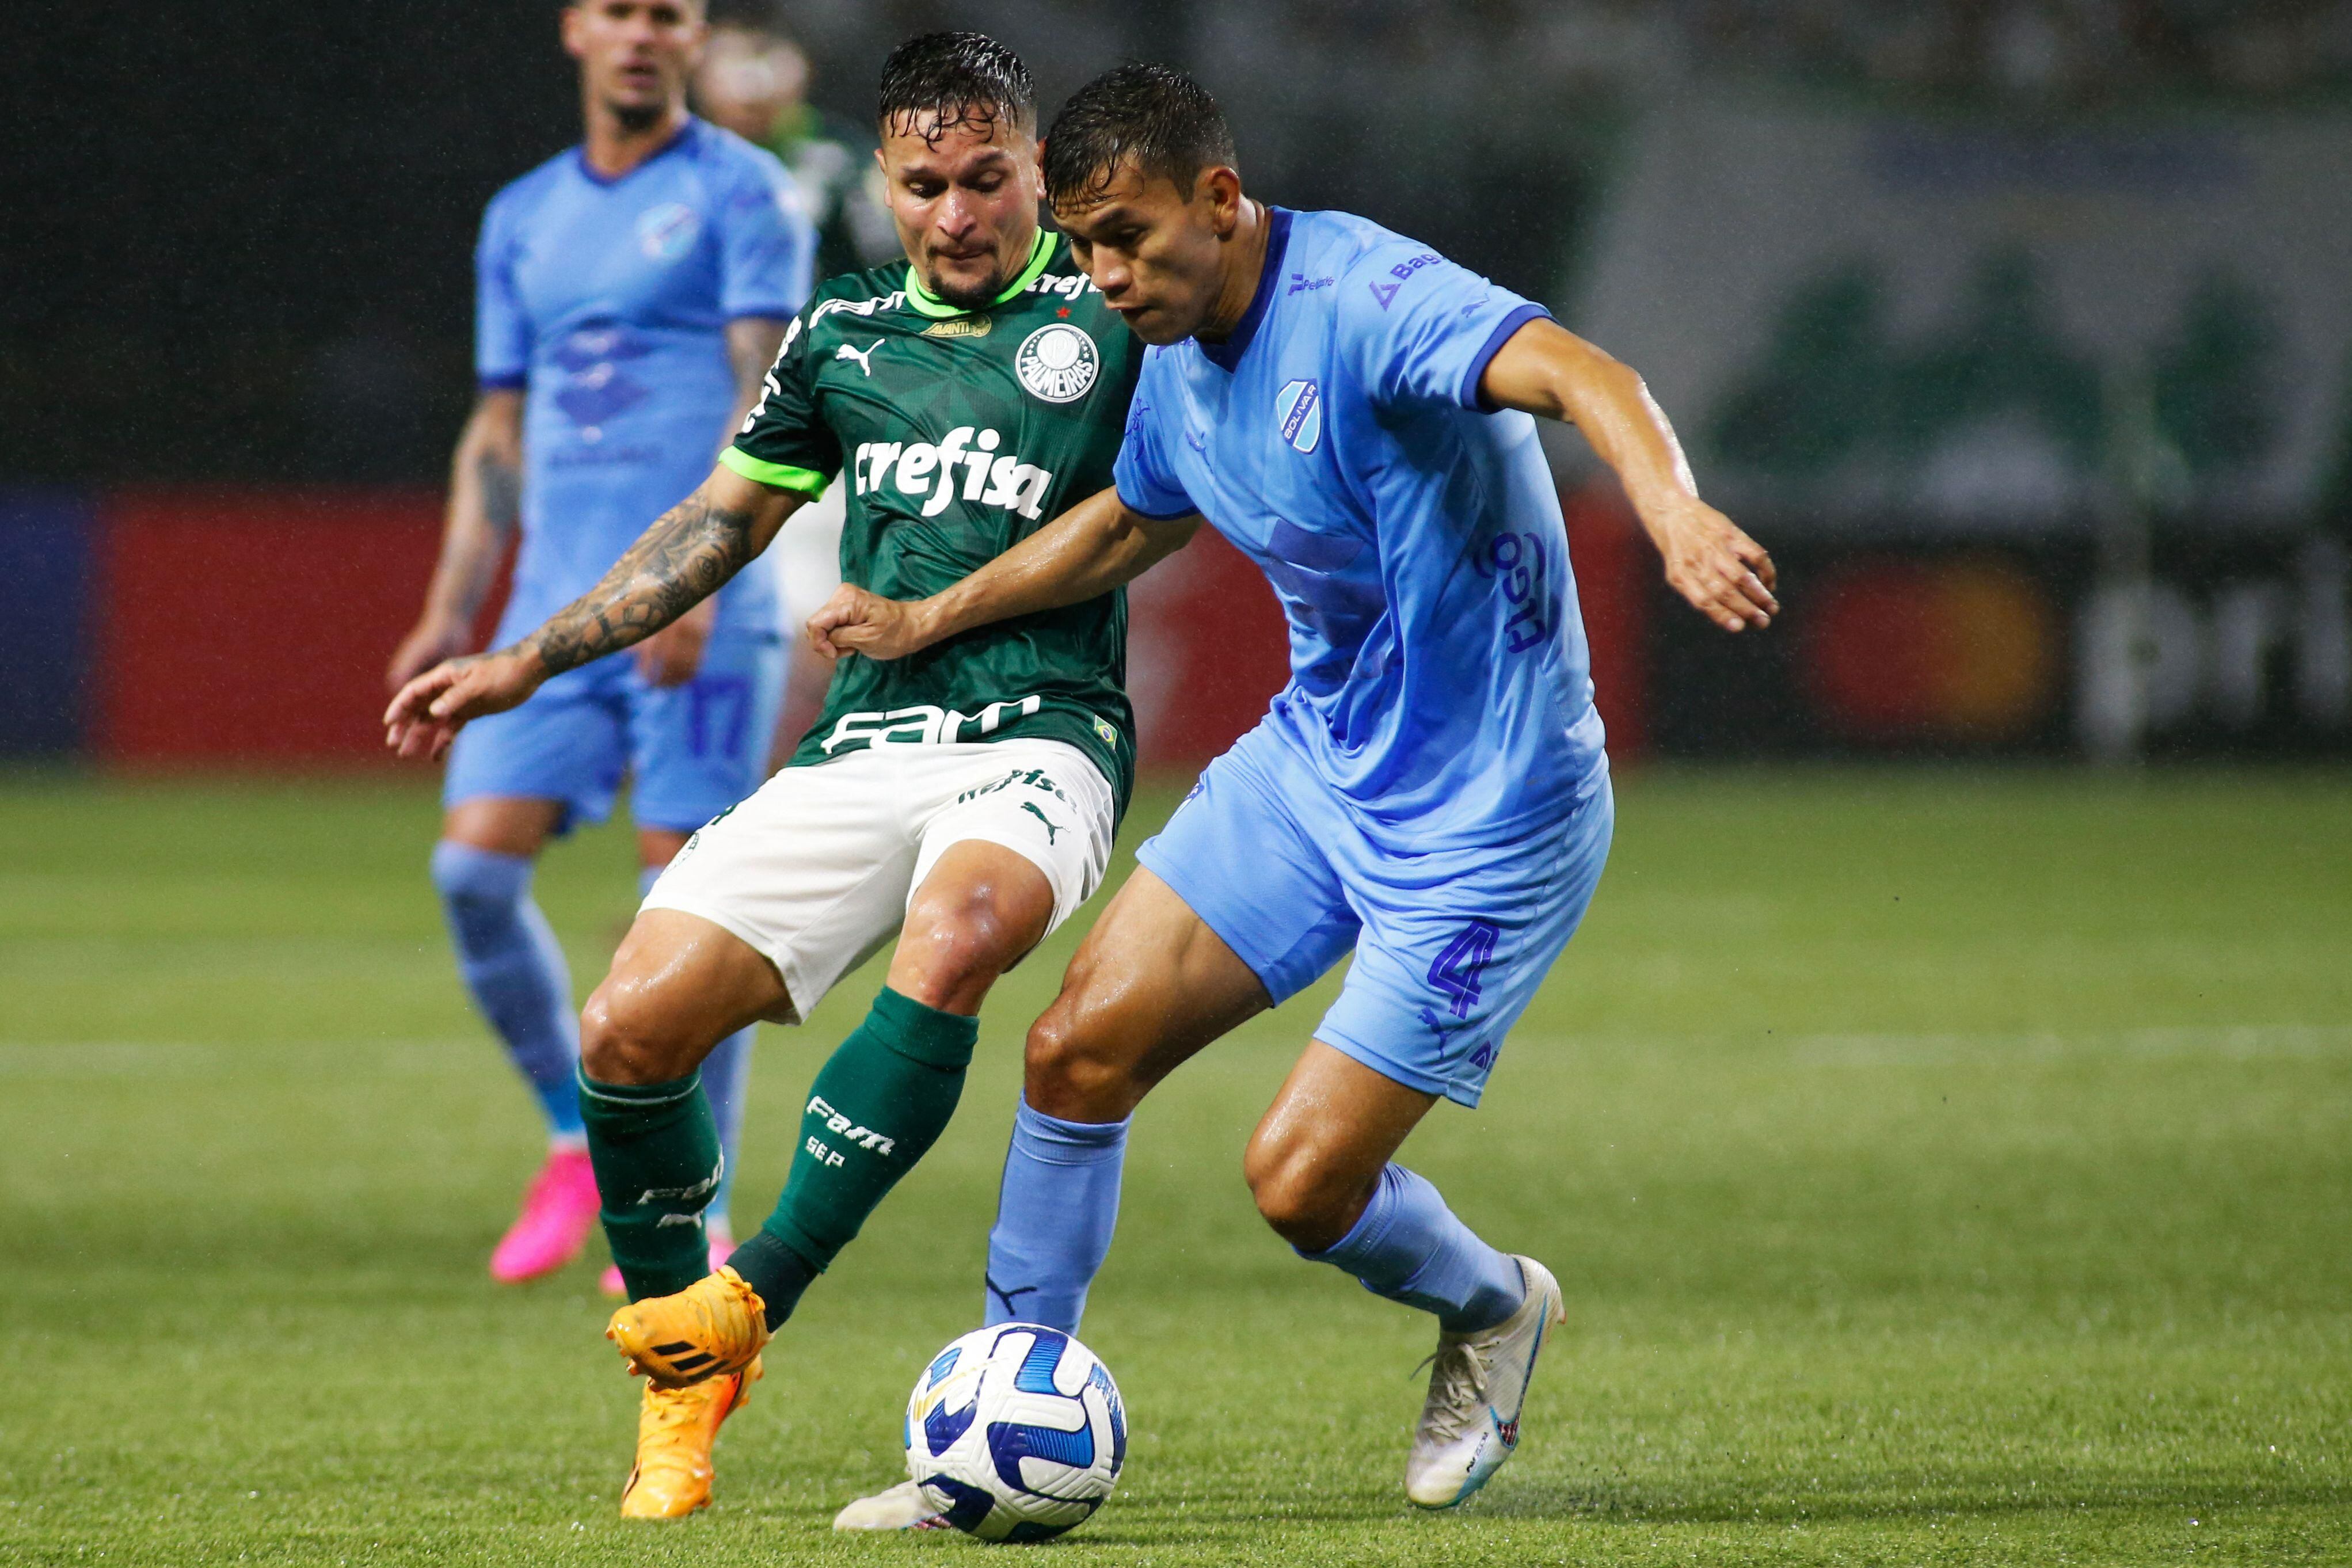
(1016,1433)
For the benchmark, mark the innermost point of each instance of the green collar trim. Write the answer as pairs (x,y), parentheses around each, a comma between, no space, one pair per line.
(922,302)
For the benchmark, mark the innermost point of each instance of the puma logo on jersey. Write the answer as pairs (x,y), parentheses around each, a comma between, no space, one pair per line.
(865,357)
(841,1127)
(967,461)
(1052,827)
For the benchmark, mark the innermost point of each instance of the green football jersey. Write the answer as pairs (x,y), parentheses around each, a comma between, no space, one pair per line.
(959,433)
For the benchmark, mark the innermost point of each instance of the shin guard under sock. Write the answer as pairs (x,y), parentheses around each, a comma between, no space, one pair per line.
(1055,1215)
(877,1107)
(726,1079)
(657,1157)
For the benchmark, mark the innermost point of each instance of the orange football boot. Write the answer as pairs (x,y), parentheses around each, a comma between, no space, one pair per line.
(716,1326)
(675,1430)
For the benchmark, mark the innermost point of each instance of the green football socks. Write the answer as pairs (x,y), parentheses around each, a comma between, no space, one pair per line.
(875,1109)
(656,1150)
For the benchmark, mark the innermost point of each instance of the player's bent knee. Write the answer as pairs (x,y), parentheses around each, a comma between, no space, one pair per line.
(943,958)
(1064,1074)
(1306,1203)
(623,1037)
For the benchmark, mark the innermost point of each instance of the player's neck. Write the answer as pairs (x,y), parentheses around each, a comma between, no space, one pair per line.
(1245,262)
(614,147)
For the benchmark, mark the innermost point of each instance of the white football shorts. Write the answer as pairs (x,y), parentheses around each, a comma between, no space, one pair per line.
(815,869)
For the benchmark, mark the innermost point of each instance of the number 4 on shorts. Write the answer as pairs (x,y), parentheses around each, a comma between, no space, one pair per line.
(1455,971)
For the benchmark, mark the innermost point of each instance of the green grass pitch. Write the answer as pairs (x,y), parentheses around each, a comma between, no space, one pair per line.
(1943,1168)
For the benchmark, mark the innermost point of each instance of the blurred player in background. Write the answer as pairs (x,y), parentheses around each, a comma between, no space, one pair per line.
(754,81)
(630,291)
(964,801)
(1429,794)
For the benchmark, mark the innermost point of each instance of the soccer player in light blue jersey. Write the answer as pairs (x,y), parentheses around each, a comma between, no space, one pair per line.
(1429,793)
(631,292)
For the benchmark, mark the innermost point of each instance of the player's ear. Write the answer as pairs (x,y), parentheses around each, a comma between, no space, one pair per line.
(569,30)
(1219,188)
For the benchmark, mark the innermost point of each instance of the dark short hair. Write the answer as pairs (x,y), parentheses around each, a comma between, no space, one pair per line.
(1155,115)
(965,78)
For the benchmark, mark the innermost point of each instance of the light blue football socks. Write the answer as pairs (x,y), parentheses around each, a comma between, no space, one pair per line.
(725,1072)
(1055,1215)
(514,969)
(1410,1247)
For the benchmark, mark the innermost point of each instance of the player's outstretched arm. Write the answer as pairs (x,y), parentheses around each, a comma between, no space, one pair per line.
(1549,371)
(1095,546)
(484,504)
(688,555)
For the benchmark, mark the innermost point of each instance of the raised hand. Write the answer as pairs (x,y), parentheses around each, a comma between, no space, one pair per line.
(1726,576)
(856,621)
(430,710)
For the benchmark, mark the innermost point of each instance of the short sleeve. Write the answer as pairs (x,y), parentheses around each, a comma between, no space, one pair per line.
(501,329)
(1418,329)
(783,443)
(767,246)
(1146,483)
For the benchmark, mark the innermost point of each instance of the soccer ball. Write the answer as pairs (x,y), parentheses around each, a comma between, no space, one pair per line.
(1016,1433)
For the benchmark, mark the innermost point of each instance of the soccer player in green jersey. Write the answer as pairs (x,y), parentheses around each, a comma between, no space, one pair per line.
(964,799)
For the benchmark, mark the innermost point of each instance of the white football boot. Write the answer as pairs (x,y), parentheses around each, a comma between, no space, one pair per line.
(902,1507)
(1470,1423)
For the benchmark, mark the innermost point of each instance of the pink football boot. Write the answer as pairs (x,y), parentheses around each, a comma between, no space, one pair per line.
(558,1212)
(722,1242)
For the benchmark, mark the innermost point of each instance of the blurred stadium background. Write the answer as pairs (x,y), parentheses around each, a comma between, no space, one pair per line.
(2020,329)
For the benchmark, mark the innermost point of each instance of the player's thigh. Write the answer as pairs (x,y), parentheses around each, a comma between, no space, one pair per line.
(1151,984)
(1241,858)
(567,746)
(811,871)
(679,986)
(696,749)
(1333,1127)
(1455,945)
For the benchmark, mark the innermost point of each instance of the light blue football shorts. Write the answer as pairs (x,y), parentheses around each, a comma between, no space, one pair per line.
(690,752)
(1450,944)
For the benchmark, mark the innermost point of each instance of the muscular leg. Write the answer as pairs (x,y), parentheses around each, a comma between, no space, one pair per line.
(679,986)
(506,951)
(1320,1167)
(1150,986)
(885,1095)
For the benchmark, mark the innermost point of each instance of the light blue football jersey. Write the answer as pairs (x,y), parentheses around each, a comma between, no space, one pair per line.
(1438,681)
(608,300)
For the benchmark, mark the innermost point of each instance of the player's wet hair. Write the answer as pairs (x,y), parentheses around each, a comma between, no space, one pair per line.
(1156,115)
(967,79)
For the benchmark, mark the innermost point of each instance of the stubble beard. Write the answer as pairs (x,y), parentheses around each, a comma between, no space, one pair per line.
(974,297)
(637,119)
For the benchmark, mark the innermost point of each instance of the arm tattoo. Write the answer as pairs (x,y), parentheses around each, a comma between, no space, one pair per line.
(502,490)
(683,559)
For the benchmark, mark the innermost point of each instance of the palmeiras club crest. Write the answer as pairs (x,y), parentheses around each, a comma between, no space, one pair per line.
(1057,363)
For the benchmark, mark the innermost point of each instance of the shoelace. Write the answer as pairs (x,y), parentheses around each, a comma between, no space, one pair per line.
(1457,1390)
